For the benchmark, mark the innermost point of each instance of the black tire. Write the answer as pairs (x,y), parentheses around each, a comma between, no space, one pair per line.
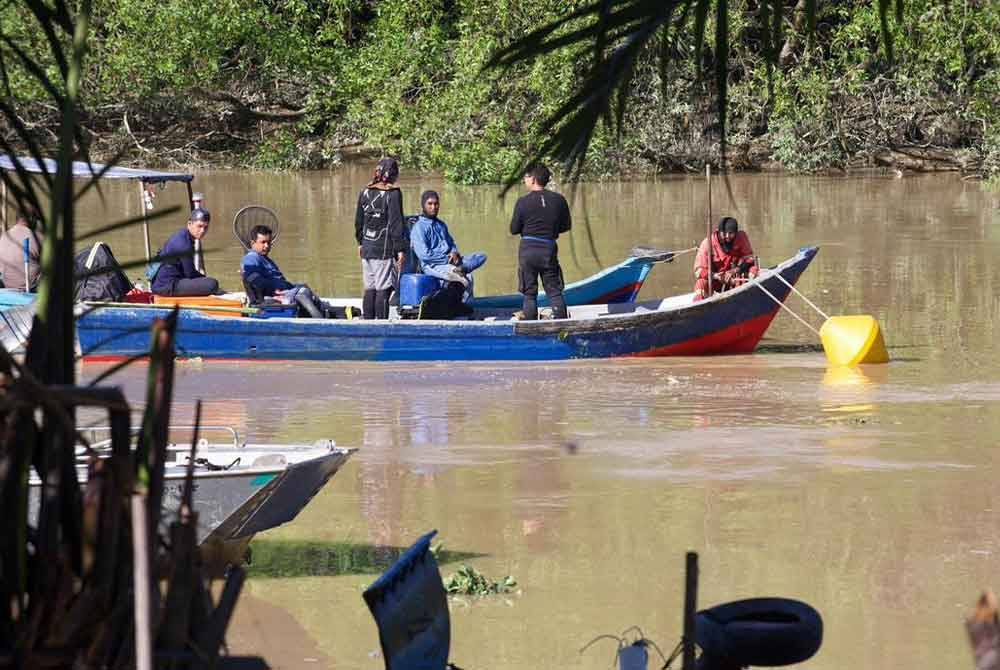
(764,632)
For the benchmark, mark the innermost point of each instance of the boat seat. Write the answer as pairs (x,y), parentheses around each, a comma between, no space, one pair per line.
(203,303)
(410,607)
(255,297)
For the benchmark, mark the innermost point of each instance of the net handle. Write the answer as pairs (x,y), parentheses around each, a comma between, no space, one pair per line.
(273,224)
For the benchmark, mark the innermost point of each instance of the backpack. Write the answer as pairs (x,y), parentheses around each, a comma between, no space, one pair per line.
(99,278)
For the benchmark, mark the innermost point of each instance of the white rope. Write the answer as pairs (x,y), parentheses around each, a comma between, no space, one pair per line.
(783,305)
(800,294)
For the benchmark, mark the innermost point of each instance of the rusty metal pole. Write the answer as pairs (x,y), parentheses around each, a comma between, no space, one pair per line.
(690,607)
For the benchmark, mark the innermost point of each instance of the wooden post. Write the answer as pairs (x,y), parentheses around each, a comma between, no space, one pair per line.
(190,197)
(708,180)
(145,220)
(141,585)
(690,607)
(3,211)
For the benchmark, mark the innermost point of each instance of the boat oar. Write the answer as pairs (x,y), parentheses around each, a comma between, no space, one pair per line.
(166,306)
(847,340)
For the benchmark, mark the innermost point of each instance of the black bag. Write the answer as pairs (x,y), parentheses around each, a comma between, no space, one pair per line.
(99,278)
(444,303)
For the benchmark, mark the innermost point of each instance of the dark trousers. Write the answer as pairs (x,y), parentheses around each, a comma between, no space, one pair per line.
(539,259)
(195,287)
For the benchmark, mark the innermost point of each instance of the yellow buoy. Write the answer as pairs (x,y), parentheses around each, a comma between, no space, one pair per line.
(853,340)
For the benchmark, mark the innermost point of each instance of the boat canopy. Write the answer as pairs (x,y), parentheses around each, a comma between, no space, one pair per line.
(82,170)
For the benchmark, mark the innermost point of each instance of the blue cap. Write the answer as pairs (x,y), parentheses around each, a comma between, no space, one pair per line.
(199,214)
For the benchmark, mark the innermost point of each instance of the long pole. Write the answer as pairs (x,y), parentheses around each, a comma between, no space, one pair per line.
(141,585)
(145,219)
(3,212)
(690,607)
(708,237)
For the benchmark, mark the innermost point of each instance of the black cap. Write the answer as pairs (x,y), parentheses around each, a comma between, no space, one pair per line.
(199,214)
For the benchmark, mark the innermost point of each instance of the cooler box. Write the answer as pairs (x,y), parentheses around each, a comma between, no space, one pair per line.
(414,287)
(275,311)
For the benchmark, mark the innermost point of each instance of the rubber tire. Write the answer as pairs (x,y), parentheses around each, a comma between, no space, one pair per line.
(766,632)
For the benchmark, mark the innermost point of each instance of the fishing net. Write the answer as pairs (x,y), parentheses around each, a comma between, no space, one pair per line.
(251,216)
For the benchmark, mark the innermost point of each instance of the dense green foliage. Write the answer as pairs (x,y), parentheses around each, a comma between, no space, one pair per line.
(291,83)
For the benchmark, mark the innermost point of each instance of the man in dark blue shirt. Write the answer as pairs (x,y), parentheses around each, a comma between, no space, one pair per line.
(539,217)
(265,278)
(184,275)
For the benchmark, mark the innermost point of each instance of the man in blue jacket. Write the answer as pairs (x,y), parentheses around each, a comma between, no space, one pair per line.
(436,250)
(184,275)
(265,278)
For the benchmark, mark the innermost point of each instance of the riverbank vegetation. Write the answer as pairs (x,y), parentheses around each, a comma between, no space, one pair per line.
(307,83)
(95,572)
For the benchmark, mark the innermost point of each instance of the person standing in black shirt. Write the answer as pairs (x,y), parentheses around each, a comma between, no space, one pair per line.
(382,243)
(539,217)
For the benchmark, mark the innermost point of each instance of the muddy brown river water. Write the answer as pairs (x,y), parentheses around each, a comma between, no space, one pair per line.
(870,494)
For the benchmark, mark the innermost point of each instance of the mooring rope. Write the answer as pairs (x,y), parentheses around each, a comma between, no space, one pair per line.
(783,305)
(800,294)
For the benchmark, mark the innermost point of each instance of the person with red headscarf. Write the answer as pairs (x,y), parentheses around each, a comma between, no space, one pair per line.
(382,242)
(733,260)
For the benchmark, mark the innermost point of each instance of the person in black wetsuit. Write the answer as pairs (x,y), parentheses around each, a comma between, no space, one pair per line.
(539,217)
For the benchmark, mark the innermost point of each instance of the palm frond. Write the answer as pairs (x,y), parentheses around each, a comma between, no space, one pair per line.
(617,31)
(621,32)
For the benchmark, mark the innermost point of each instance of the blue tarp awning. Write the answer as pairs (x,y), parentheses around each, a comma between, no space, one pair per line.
(83,170)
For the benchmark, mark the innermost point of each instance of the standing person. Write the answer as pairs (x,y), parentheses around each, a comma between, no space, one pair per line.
(732,259)
(12,255)
(185,274)
(198,200)
(539,217)
(382,244)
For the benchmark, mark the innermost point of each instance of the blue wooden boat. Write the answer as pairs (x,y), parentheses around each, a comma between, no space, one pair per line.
(727,323)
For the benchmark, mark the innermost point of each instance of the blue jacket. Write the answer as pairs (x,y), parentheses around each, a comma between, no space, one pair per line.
(431,241)
(180,242)
(263,274)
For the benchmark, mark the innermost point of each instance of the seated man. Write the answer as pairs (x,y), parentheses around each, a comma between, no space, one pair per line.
(184,275)
(732,259)
(12,261)
(435,249)
(262,275)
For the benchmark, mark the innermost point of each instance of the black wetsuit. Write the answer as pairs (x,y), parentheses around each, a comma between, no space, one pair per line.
(539,218)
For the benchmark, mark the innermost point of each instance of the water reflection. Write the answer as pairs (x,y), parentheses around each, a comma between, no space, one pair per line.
(864,492)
